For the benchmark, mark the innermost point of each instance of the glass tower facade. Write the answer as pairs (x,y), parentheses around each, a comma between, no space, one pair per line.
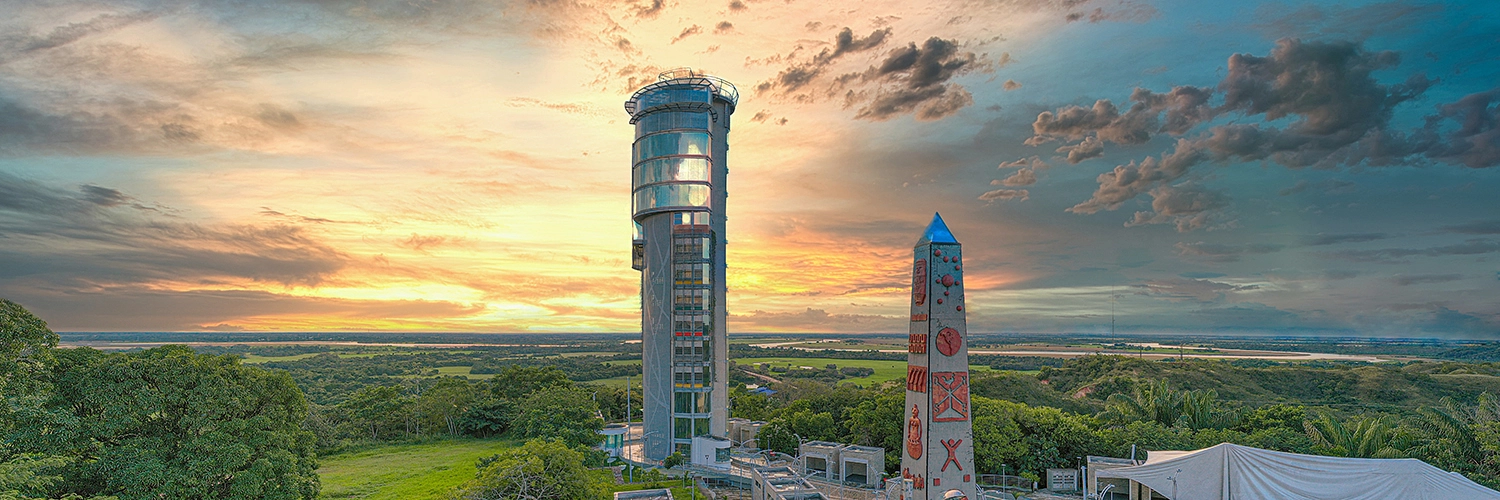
(678,175)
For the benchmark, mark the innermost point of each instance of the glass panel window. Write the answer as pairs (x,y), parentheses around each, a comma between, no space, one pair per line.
(673,94)
(688,324)
(702,400)
(671,169)
(700,427)
(690,274)
(668,120)
(685,402)
(690,248)
(683,428)
(676,143)
(671,195)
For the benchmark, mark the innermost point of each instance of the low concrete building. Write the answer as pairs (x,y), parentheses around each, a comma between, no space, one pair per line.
(820,459)
(657,494)
(861,465)
(781,483)
(711,452)
(742,432)
(1106,488)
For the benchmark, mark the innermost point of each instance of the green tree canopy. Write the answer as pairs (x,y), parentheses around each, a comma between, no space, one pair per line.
(539,469)
(169,423)
(25,340)
(776,436)
(518,382)
(561,413)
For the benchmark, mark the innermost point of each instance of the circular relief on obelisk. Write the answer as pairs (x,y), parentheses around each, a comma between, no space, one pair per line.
(949,341)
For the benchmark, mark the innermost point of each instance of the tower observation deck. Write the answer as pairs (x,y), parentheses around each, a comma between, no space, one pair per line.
(679,170)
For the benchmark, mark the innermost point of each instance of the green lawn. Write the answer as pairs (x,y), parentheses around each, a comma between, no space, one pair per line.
(405,471)
(884,369)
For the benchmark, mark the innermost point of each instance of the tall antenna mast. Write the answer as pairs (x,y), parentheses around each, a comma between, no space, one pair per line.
(1111,311)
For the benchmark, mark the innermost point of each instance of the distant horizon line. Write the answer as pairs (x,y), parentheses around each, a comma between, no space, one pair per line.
(1232,334)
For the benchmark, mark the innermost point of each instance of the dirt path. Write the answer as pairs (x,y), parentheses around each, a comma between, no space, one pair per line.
(759,376)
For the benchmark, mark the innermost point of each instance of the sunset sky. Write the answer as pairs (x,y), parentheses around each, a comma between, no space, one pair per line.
(436,165)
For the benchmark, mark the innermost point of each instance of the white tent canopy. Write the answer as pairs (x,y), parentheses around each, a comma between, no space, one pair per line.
(1233,472)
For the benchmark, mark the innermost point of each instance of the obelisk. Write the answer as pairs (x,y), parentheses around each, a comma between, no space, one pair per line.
(938,450)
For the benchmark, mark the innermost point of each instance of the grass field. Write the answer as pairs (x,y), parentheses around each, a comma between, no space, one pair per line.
(405,471)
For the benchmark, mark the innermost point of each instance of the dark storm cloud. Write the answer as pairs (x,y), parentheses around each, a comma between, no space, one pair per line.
(650,9)
(936,61)
(911,79)
(1334,239)
(1225,253)
(800,74)
(1126,182)
(723,27)
(929,103)
(1184,107)
(97,234)
(1391,255)
(1090,147)
(1187,206)
(1338,115)
(687,32)
(916,79)
(1476,141)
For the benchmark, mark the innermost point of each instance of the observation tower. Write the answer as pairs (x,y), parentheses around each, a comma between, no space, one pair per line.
(677,202)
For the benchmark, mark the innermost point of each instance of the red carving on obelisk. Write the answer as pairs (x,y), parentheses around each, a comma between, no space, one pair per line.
(914,435)
(949,341)
(952,446)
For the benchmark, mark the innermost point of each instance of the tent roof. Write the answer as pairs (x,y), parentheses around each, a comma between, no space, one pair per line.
(1234,472)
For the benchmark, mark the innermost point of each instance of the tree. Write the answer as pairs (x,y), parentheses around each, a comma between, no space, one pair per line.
(518,382)
(673,460)
(378,408)
(1203,410)
(1460,438)
(1152,401)
(566,414)
(445,403)
(1367,437)
(776,436)
(487,418)
(25,340)
(539,469)
(170,423)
